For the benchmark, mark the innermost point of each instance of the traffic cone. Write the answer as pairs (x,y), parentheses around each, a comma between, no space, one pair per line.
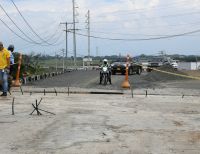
(17,81)
(126,83)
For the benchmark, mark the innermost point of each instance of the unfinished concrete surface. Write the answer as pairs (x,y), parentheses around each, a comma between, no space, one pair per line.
(102,124)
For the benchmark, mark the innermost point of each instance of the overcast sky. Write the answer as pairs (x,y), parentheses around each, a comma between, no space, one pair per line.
(115,19)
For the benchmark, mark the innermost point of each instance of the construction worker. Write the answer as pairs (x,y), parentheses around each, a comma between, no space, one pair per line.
(11,48)
(4,68)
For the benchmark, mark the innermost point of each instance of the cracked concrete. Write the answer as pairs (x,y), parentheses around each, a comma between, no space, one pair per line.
(101,124)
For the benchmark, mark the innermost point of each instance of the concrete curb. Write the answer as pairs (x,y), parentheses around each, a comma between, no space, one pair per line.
(43,76)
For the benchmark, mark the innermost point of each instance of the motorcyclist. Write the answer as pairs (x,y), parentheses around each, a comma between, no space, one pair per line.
(105,64)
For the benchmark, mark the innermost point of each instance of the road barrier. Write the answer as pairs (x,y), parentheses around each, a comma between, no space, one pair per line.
(17,81)
(126,83)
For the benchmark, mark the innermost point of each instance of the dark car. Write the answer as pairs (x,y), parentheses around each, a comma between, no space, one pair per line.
(155,63)
(120,67)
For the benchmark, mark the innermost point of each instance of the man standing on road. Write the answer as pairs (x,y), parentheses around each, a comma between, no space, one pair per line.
(4,68)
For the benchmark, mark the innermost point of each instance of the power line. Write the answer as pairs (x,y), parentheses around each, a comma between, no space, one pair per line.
(27,23)
(132,34)
(33,45)
(27,39)
(24,39)
(56,40)
(105,31)
(14,32)
(50,36)
(18,26)
(142,39)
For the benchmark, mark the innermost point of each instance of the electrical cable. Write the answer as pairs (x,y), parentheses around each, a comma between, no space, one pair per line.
(27,39)
(129,34)
(18,26)
(142,39)
(15,32)
(27,23)
(24,39)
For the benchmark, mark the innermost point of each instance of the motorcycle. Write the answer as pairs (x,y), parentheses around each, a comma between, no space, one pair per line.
(105,75)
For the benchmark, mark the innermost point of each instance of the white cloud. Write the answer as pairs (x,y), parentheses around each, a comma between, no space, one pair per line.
(138,4)
(116,16)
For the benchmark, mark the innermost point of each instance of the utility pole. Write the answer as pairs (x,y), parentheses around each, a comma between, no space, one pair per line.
(97,51)
(63,51)
(56,62)
(74,29)
(66,30)
(88,28)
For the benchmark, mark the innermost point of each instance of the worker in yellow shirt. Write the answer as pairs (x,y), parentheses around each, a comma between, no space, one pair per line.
(4,68)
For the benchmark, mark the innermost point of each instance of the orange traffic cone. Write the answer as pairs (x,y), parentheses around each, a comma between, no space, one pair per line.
(126,83)
(17,81)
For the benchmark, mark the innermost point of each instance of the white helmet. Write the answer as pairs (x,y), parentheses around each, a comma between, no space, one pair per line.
(105,61)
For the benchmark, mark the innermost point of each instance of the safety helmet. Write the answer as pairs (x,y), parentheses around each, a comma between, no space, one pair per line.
(105,61)
(11,47)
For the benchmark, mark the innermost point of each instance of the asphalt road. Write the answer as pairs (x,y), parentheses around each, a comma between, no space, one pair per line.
(90,79)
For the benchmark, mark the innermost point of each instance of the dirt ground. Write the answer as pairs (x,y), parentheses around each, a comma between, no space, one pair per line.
(195,73)
(165,123)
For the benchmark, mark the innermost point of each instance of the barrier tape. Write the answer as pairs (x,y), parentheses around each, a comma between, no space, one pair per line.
(171,73)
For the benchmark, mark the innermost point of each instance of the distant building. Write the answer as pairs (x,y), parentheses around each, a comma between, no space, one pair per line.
(189,65)
(87,61)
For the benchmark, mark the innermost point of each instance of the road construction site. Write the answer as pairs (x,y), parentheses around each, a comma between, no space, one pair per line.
(90,79)
(160,115)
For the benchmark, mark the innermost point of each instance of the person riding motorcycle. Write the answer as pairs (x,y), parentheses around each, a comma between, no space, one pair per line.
(105,64)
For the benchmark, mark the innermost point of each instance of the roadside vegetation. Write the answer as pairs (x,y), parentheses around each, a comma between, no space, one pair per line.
(38,64)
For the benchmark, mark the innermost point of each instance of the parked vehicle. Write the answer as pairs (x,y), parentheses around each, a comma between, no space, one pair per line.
(174,64)
(154,63)
(120,67)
